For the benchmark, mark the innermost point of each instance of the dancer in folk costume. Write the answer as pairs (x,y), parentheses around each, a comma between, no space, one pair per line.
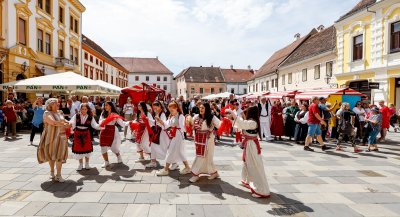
(143,137)
(160,140)
(253,173)
(81,124)
(176,149)
(204,140)
(53,146)
(109,134)
(264,109)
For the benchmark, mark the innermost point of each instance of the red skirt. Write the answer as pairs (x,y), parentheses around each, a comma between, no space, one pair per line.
(82,142)
(107,136)
(200,140)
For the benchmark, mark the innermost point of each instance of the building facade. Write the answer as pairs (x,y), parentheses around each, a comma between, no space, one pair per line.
(200,81)
(148,70)
(236,79)
(97,64)
(40,37)
(368,49)
(266,78)
(311,65)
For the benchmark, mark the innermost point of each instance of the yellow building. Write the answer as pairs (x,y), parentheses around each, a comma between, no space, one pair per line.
(39,37)
(368,49)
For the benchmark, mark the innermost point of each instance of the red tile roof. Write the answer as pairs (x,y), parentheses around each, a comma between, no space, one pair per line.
(202,75)
(143,65)
(316,44)
(237,75)
(94,46)
(361,5)
(278,57)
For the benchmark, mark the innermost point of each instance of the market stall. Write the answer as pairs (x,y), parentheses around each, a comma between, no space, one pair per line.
(142,92)
(333,95)
(282,95)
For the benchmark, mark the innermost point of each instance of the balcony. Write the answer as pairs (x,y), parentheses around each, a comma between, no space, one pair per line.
(62,62)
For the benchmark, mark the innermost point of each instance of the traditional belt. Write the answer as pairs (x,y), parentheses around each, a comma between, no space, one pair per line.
(264,115)
(244,143)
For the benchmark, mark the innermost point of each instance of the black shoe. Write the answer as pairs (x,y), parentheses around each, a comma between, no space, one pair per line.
(324,148)
(306,148)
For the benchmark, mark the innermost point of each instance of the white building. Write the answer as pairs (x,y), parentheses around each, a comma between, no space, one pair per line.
(312,64)
(99,65)
(148,70)
(236,79)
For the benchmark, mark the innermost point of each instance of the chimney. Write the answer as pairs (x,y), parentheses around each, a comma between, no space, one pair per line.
(156,57)
(320,28)
(249,67)
(297,36)
(212,66)
(231,66)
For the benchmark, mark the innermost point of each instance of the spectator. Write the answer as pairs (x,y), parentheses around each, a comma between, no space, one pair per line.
(290,124)
(375,121)
(277,128)
(75,107)
(64,108)
(128,111)
(360,119)
(314,121)
(394,118)
(11,119)
(37,122)
(385,113)
(1,118)
(301,128)
(326,115)
(346,127)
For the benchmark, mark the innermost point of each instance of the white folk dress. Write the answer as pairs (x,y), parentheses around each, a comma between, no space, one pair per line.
(144,144)
(115,146)
(205,165)
(159,151)
(253,173)
(176,150)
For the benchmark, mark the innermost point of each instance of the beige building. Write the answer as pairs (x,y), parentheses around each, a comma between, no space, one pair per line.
(200,81)
(312,64)
(39,37)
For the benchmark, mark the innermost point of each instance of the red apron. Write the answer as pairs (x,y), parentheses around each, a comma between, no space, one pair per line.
(200,140)
(107,135)
(82,142)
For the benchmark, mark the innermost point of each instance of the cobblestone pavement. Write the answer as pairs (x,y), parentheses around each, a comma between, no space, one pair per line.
(303,184)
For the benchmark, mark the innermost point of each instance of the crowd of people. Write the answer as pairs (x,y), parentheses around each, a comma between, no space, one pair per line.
(158,129)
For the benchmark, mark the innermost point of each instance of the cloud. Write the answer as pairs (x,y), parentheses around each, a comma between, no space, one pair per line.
(185,33)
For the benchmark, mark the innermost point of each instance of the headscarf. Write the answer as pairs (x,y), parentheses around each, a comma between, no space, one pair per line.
(49,102)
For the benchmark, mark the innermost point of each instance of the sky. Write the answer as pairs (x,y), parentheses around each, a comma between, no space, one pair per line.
(183,33)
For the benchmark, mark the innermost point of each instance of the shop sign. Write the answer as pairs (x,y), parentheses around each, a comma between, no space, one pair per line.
(373,85)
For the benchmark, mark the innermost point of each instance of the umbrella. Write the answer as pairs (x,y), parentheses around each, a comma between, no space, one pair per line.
(66,82)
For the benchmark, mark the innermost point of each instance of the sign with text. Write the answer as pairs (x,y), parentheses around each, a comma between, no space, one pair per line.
(373,85)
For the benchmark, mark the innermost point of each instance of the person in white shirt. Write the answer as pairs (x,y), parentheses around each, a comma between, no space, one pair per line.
(75,107)
(264,108)
(360,116)
(128,110)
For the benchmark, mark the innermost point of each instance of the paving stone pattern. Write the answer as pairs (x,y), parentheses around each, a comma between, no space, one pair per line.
(302,184)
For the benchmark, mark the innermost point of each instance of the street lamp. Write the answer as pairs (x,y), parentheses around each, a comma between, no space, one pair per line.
(24,67)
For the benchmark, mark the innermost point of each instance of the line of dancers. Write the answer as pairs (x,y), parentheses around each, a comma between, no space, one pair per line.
(161,136)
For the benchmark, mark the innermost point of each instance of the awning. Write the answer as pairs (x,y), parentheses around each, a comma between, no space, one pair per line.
(327,92)
(281,94)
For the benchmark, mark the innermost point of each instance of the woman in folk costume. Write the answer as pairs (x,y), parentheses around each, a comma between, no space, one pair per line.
(253,173)
(144,134)
(81,124)
(160,140)
(109,134)
(277,129)
(53,146)
(176,151)
(301,128)
(204,140)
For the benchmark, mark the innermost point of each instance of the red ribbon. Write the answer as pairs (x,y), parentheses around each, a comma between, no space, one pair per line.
(148,127)
(244,143)
(110,118)
(225,127)
(188,128)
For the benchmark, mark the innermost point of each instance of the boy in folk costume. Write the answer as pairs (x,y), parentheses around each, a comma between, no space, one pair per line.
(82,146)
(160,140)
(174,127)
(253,173)
(144,134)
(204,139)
(109,134)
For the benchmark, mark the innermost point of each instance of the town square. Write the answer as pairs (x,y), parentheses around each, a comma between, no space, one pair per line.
(237,108)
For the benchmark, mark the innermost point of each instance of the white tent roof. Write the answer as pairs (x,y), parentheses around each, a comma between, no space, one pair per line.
(109,87)
(67,82)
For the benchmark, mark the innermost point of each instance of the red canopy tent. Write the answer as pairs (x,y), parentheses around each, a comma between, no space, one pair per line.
(142,92)
(327,92)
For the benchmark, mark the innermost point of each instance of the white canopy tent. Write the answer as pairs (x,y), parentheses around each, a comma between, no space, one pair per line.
(67,82)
